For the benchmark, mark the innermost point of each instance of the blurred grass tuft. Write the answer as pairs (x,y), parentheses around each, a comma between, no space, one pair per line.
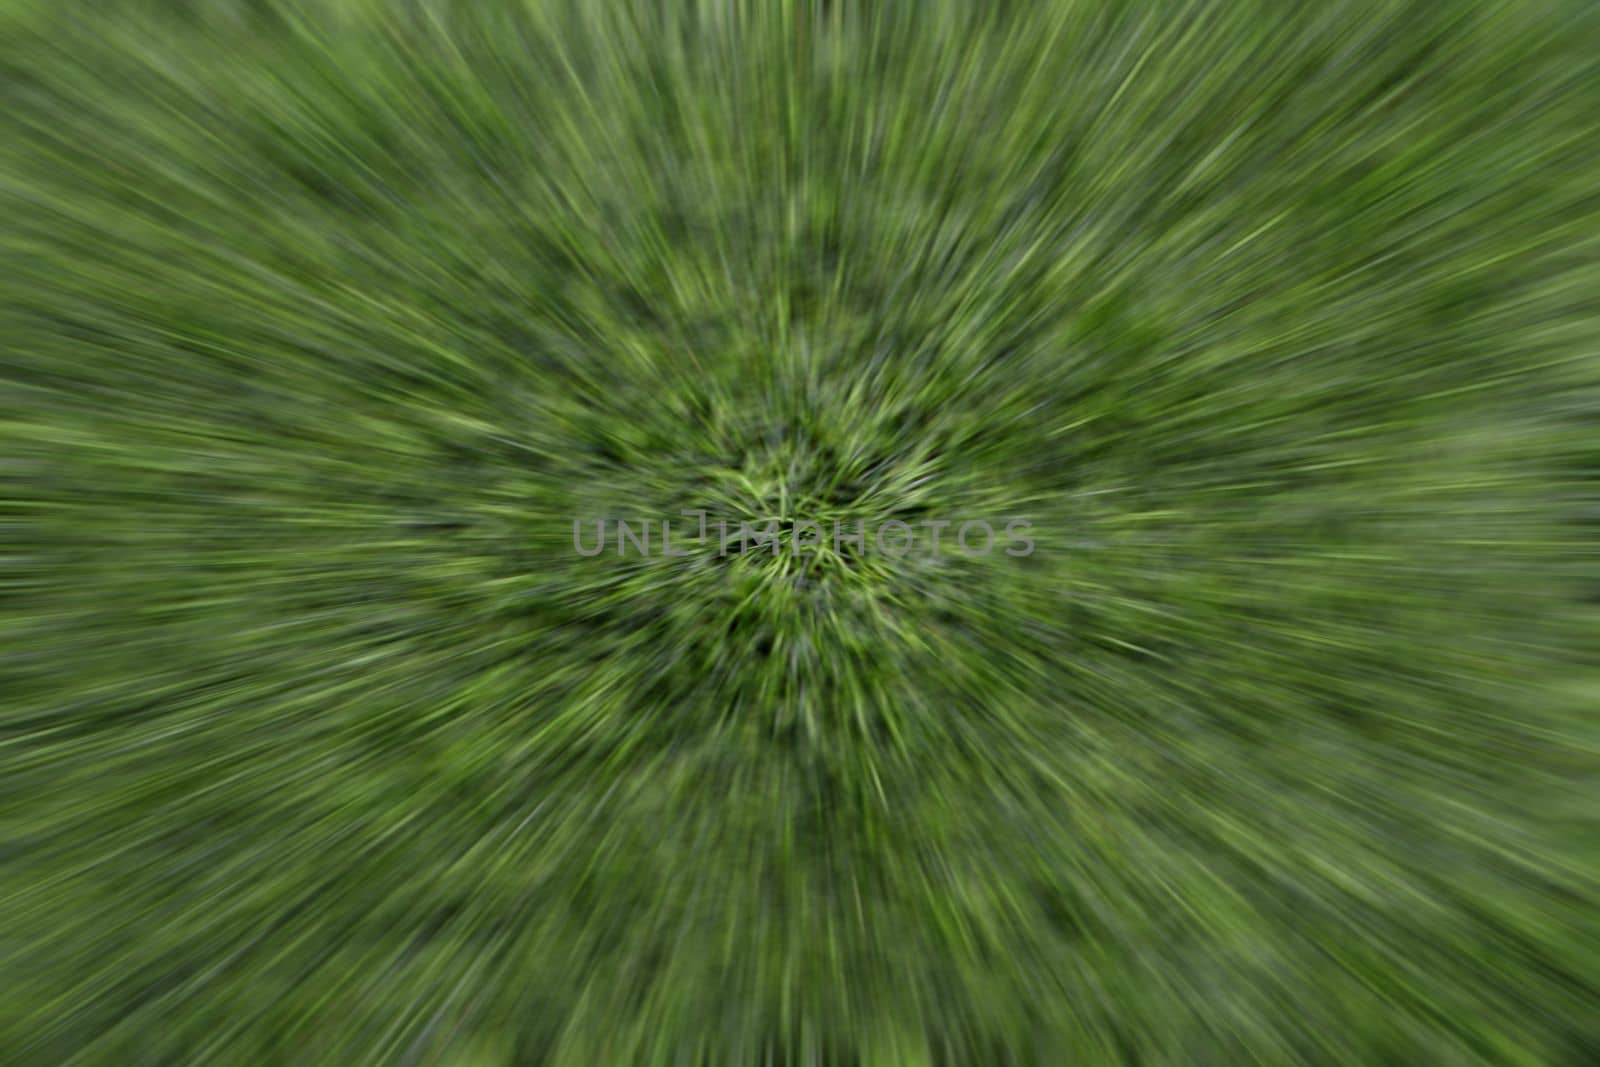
(322,321)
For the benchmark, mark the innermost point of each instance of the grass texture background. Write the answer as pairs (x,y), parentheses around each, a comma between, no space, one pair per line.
(322,321)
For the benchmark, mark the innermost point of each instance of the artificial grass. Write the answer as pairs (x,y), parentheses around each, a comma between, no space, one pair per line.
(322,323)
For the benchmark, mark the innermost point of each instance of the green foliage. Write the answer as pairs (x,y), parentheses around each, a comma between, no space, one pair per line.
(322,322)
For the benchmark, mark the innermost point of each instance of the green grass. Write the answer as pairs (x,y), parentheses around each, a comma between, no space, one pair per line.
(321,322)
